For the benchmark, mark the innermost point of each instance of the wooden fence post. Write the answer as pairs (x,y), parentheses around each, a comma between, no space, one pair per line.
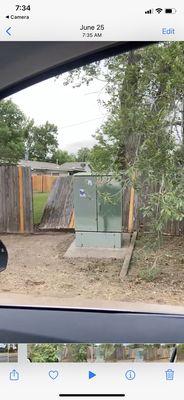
(131,211)
(21,201)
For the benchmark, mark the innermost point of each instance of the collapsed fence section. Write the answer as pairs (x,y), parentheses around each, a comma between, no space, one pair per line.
(16,203)
(58,211)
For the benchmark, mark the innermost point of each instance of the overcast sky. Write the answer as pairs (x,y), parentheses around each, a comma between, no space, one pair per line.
(66,107)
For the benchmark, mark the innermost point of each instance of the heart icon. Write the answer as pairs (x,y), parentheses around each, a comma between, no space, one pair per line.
(53,374)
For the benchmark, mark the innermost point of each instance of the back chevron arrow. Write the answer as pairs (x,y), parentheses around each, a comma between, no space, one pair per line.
(8,31)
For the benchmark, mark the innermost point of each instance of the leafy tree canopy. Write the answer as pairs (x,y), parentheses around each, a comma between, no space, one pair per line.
(62,156)
(83,154)
(12,129)
(41,141)
(144,130)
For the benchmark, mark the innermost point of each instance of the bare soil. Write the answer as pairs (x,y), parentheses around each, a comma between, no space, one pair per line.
(37,267)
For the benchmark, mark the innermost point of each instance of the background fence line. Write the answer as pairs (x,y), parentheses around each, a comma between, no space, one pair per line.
(43,183)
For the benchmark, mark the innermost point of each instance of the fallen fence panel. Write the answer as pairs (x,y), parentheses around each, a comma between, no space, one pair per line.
(59,208)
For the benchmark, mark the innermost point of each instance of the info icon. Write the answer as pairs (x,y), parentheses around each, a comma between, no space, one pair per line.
(130,375)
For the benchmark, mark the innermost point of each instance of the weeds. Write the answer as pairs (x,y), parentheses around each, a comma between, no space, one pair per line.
(149,274)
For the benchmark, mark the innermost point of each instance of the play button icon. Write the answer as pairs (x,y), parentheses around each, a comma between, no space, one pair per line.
(91,375)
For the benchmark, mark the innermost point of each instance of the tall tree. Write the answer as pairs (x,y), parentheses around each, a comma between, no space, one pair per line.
(83,154)
(143,132)
(12,129)
(144,90)
(41,141)
(101,159)
(62,156)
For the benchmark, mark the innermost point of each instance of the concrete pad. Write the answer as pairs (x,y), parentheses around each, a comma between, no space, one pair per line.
(95,252)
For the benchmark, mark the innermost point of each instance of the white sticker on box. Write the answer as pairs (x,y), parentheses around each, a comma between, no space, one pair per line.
(82,193)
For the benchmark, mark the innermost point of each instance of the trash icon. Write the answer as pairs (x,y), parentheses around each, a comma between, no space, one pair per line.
(169,375)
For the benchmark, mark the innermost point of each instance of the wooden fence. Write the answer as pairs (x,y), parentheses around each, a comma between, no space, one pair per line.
(139,221)
(16,205)
(58,211)
(43,183)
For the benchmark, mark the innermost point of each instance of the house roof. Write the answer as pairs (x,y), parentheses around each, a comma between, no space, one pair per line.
(66,167)
(36,165)
(75,166)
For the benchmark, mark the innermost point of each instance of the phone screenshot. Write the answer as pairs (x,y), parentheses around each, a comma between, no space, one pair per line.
(91,199)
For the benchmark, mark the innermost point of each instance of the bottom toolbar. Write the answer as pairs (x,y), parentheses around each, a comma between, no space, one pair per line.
(98,371)
(78,380)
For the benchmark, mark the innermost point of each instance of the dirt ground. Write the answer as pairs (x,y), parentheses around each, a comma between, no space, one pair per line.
(37,267)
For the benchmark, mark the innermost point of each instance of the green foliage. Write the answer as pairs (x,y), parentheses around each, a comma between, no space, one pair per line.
(149,274)
(83,154)
(12,128)
(41,141)
(18,136)
(101,159)
(164,206)
(78,351)
(44,353)
(142,138)
(62,156)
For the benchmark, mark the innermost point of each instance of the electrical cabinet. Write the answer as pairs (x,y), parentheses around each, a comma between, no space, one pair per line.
(98,210)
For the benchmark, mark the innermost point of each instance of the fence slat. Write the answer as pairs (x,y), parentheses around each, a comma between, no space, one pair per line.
(43,183)
(16,205)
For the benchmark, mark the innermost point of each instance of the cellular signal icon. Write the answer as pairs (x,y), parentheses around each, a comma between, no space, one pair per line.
(151,11)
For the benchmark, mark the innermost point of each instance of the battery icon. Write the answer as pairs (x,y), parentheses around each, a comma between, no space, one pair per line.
(170,10)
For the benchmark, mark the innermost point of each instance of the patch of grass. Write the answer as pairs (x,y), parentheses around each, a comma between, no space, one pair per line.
(149,274)
(148,258)
(39,201)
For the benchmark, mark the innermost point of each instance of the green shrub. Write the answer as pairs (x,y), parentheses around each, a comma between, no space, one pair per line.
(149,274)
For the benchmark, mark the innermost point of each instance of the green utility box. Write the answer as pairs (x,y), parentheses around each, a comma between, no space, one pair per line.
(98,211)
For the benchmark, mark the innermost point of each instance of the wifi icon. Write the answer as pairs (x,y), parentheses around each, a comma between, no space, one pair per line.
(159,10)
